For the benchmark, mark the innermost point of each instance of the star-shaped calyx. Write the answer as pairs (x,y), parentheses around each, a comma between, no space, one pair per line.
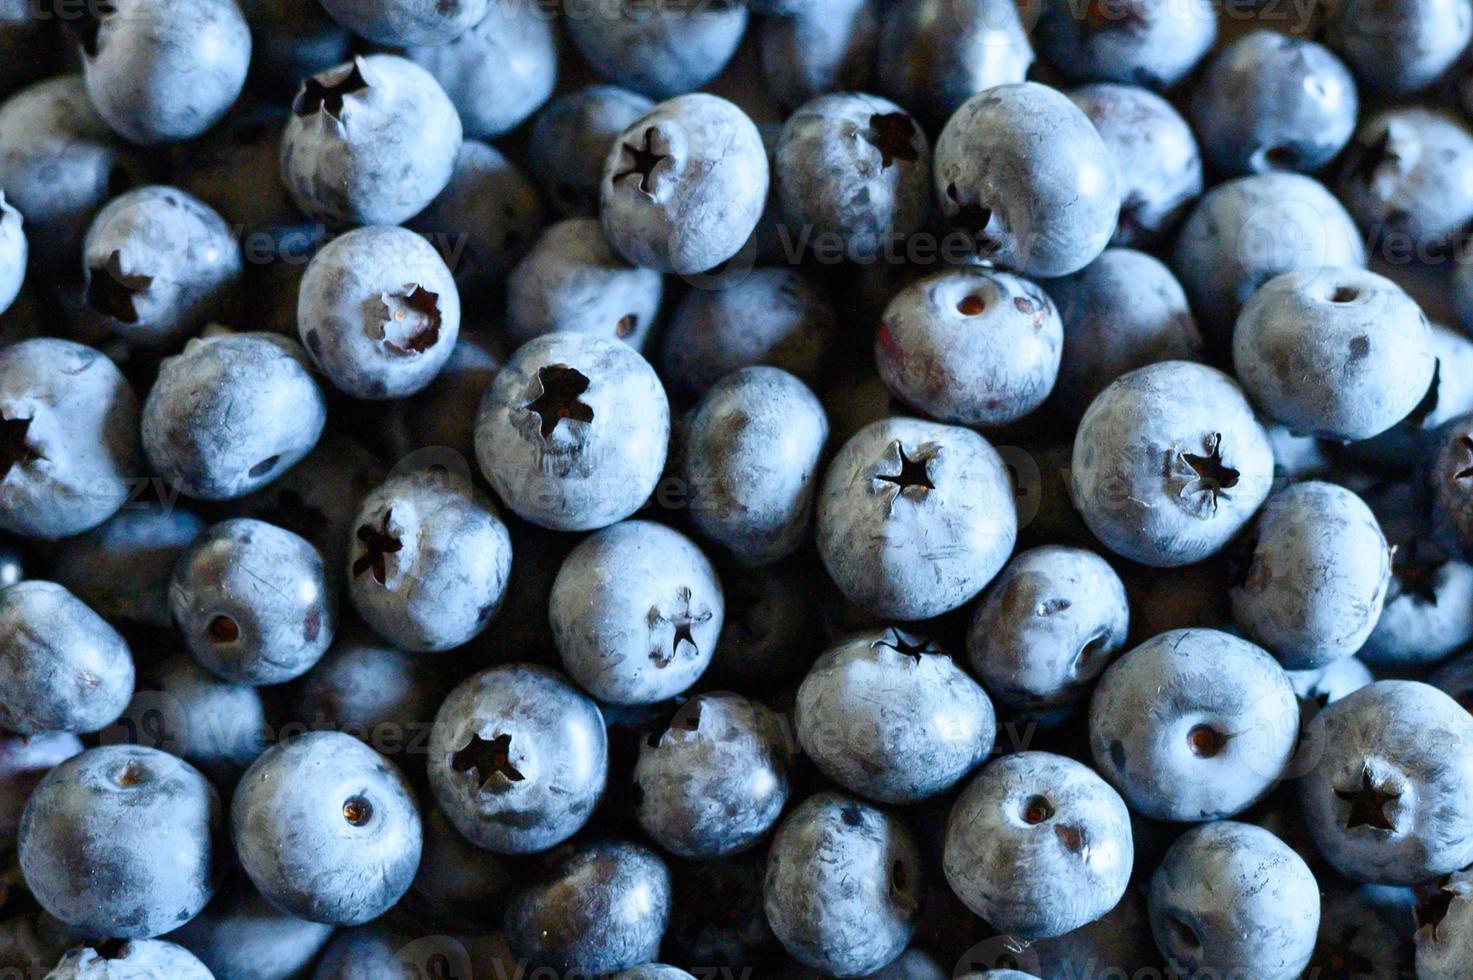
(15,445)
(1210,474)
(329,96)
(411,320)
(1367,804)
(560,390)
(641,159)
(682,625)
(912,473)
(489,757)
(378,543)
(113,292)
(894,135)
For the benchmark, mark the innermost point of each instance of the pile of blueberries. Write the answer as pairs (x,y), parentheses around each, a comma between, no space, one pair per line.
(912,489)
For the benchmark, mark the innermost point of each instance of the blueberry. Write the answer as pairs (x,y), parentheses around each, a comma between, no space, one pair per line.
(518,758)
(939,53)
(1169,464)
(1428,611)
(1365,930)
(774,315)
(1407,179)
(370,142)
(636,610)
(1313,584)
(714,781)
(291,41)
(59,163)
(484,221)
(843,885)
(572,280)
(24,760)
(443,415)
(499,71)
(123,841)
(14,251)
(232,413)
(379,312)
(163,71)
(429,561)
(889,716)
(1155,43)
(600,908)
(326,828)
(1038,845)
(1193,725)
(65,668)
(241,935)
(1407,443)
(971,346)
(856,167)
(1389,799)
(661,48)
(1324,686)
(1444,939)
(137,959)
(1158,167)
(750,458)
(377,693)
(1244,232)
(828,46)
(180,707)
(252,602)
(574,431)
(406,22)
(459,884)
(1341,353)
(122,567)
(1123,311)
(915,518)
(1120,939)
(684,185)
(1233,897)
(1046,628)
(570,139)
(1022,172)
(1401,46)
(653,971)
(1269,101)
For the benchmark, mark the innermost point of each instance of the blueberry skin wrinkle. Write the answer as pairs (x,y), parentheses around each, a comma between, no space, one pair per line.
(327,829)
(91,836)
(518,759)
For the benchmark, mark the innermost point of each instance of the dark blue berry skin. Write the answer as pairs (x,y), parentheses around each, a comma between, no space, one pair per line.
(661,49)
(1120,939)
(379,312)
(70,422)
(158,265)
(232,413)
(603,907)
(1158,167)
(1233,897)
(122,567)
(253,602)
(27,46)
(443,416)
(291,41)
(65,668)
(327,829)
(1022,171)
(499,71)
(828,46)
(715,781)
(570,139)
(572,280)
(1341,353)
(1121,312)
(843,885)
(647,632)
(429,561)
(1154,43)
(775,316)
(164,71)
(93,836)
(484,221)
(459,886)
(1389,799)
(1046,628)
(59,163)
(1455,679)
(1399,47)
(939,53)
(407,22)
(1038,845)
(371,141)
(518,758)
(1218,464)
(241,935)
(1368,928)
(1244,232)
(750,457)
(1269,101)
(374,692)
(24,760)
(1193,725)
(137,958)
